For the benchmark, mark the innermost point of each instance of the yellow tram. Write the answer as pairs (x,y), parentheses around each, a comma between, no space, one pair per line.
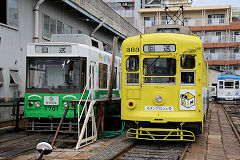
(164,89)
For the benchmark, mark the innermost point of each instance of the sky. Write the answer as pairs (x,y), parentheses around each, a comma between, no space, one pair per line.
(233,3)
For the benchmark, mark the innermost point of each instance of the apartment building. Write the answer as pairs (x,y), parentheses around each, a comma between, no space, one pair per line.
(128,9)
(217,26)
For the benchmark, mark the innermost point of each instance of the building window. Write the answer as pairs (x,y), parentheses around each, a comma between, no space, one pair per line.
(103,68)
(149,21)
(236,50)
(187,19)
(46,23)
(52,27)
(235,36)
(1,77)
(59,27)
(235,68)
(216,18)
(9,12)
(67,29)
(14,77)
(212,50)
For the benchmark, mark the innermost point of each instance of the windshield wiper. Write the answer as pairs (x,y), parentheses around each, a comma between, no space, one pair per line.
(153,62)
(50,89)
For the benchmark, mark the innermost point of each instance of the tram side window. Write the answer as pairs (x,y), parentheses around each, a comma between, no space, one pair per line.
(187,62)
(133,78)
(187,77)
(1,77)
(114,81)
(236,84)
(83,73)
(103,68)
(220,83)
(132,63)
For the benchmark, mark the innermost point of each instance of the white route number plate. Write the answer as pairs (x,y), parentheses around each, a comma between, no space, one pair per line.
(51,100)
(158,108)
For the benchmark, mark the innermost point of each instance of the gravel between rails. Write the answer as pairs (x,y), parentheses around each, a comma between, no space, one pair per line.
(141,150)
(112,149)
(155,150)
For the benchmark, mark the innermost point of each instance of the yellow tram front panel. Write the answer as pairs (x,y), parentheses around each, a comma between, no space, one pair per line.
(170,99)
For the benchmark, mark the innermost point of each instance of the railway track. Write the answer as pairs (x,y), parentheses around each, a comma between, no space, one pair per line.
(13,144)
(143,150)
(233,115)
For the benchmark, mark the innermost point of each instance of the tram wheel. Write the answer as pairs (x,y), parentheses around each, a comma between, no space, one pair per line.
(199,129)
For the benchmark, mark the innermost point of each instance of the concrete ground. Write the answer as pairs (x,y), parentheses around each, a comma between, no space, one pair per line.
(218,141)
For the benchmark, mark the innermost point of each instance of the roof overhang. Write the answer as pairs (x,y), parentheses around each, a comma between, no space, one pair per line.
(90,16)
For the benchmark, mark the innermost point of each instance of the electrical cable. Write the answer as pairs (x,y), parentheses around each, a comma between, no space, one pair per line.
(109,134)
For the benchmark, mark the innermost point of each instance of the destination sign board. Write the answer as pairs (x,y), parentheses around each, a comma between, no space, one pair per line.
(159,48)
(53,49)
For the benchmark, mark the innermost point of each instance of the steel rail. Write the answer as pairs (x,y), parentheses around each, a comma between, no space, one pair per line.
(184,151)
(122,151)
(232,125)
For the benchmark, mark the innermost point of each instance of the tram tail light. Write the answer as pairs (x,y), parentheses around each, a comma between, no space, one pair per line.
(130,104)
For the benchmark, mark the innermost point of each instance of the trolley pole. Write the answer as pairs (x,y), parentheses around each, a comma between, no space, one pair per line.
(115,40)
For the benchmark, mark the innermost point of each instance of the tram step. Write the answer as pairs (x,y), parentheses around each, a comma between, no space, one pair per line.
(67,140)
(68,132)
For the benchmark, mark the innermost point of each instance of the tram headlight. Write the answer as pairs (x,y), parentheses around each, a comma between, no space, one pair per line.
(158,98)
(65,104)
(37,104)
(30,104)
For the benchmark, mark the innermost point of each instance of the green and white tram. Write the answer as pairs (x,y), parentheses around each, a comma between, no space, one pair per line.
(58,72)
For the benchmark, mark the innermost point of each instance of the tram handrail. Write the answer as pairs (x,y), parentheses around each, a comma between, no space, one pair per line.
(79,117)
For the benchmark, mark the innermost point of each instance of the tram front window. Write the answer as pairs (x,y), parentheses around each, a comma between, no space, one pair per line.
(159,67)
(59,73)
(228,84)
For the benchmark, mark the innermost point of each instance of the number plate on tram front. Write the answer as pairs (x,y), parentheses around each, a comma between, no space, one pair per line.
(158,108)
(51,100)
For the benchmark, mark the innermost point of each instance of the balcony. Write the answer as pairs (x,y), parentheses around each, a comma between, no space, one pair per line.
(217,21)
(222,56)
(234,56)
(193,22)
(213,39)
(235,38)
(216,56)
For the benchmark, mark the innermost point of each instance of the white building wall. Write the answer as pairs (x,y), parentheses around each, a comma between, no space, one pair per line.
(13,44)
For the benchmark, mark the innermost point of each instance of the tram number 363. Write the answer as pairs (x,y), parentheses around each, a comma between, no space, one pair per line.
(132,49)
(51,108)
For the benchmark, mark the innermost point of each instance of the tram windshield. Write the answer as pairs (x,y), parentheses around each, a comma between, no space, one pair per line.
(159,66)
(53,73)
(229,85)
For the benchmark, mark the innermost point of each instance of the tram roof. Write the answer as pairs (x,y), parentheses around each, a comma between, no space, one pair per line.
(79,48)
(222,77)
(186,43)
